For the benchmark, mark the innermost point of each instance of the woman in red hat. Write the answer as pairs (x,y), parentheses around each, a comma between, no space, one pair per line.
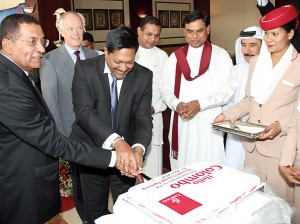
(271,94)
(265,6)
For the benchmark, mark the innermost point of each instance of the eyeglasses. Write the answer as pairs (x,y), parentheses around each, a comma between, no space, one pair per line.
(33,42)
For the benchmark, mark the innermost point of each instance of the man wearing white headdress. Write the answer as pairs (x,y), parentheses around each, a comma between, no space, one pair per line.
(246,46)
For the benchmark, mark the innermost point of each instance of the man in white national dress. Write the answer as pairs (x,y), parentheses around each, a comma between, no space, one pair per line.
(197,81)
(246,46)
(154,59)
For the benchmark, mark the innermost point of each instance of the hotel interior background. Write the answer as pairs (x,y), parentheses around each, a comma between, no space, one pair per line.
(228,17)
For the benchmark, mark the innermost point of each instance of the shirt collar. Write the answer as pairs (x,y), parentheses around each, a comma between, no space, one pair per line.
(106,68)
(71,50)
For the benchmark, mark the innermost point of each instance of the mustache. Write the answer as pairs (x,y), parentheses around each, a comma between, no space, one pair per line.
(249,55)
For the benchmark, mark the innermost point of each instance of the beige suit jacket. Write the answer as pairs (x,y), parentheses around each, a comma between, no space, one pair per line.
(279,107)
(291,145)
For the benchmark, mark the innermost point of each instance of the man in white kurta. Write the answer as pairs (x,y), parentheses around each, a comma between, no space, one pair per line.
(154,59)
(247,45)
(200,100)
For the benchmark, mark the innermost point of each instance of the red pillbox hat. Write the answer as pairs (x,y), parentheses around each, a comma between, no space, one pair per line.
(278,17)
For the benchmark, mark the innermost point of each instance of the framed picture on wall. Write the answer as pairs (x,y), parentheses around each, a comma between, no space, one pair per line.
(87,13)
(175,19)
(163,16)
(183,14)
(116,18)
(101,19)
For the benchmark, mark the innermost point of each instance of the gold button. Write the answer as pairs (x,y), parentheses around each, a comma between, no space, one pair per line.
(258,121)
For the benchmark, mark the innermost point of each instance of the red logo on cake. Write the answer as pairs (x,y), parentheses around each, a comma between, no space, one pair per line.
(180,203)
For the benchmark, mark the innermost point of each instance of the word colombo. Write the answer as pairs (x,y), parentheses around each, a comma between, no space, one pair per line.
(198,177)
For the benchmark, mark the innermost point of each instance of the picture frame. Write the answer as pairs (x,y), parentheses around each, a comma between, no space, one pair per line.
(87,13)
(163,16)
(182,16)
(100,19)
(116,18)
(175,19)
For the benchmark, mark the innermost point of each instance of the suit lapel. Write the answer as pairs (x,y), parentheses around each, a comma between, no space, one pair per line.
(87,53)
(286,73)
(15,70)
(66,58)
(291,66)
(126,87)
(104,79)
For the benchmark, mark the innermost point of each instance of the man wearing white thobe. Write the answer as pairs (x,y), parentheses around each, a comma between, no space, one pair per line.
(246,46)
(154,59)
(203,89)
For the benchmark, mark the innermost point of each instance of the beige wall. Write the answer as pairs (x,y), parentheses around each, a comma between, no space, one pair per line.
(172,35)
(229,17)
(168,35)
(100,35)
(7,4)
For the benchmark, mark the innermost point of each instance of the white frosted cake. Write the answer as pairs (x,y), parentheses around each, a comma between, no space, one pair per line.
(191,194)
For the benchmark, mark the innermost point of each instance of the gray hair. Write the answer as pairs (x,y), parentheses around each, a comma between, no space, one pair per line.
(60,22)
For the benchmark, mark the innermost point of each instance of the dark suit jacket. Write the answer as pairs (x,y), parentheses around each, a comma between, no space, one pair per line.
(29,146)
(91,99)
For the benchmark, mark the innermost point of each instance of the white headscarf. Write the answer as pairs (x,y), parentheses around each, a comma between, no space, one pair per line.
(239,57)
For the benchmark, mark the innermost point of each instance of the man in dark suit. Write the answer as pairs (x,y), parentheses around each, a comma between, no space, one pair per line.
(93,91)
(29,140)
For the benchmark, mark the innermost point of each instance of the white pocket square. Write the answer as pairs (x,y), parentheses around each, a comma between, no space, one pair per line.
(290,84)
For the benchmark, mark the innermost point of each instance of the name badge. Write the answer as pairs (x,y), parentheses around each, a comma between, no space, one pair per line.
(290,84)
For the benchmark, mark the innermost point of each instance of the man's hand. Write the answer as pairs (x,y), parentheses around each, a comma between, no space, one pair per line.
(292,174)
(181,108)
(271,131)
(219,118)
(138,153)
(126,161)
(152,111)
(190,109)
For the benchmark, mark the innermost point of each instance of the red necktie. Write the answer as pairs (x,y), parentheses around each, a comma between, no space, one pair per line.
(77,53)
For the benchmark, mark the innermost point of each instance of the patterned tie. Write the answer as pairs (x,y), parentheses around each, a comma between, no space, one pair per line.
(32,81)
(114,101)
(77,53)
(34,78)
